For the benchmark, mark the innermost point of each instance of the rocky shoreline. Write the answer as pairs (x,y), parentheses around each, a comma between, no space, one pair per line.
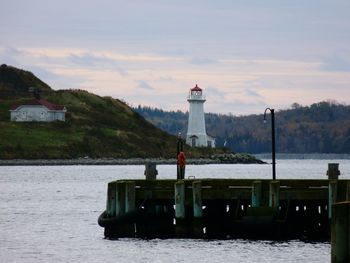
(216,159)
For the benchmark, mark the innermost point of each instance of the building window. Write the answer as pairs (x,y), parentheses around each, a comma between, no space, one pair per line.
(209,144)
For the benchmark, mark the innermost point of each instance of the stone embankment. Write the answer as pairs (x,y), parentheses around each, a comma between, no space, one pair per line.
(230,158)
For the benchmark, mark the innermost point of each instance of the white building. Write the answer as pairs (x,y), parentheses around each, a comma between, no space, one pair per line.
(38,110)
(211,141)
(196,133)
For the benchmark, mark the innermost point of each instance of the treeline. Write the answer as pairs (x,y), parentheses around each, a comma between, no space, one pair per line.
(322,127)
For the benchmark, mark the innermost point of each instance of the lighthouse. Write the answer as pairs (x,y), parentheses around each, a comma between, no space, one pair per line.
(196,133)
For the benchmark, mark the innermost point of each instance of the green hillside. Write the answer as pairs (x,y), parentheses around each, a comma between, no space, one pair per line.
(15,82)
(95,126)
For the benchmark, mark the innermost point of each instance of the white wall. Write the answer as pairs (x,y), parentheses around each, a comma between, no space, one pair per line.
(36,113)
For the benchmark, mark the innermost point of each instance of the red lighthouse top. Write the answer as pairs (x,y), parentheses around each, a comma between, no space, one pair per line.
(196,88)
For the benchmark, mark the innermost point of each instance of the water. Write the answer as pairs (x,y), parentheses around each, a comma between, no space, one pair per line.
(49,214)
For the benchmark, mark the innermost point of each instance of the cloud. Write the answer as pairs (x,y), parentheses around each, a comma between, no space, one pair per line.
(212,91)
(237,107)
(10,56)
(252,93)
(335,63)
(93,61)
(166,79)
(89,60)
(202,61)
(142,84)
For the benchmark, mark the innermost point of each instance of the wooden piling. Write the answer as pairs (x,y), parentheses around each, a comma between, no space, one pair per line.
(274,194)
(129,196)
(151,171)
(332,196)
(197,199)
(120,198)
(340,238)
(111,195)
(180,199)
(256,193)
(347,198)
(197,225)
(333,171)
(180,228)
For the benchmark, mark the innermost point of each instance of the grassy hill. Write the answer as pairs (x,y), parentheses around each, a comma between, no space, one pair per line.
(15,83)
(95,126)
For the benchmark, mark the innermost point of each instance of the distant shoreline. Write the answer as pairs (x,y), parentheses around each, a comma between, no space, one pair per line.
(87,161)
(130,161)
(301,156)
(160,161)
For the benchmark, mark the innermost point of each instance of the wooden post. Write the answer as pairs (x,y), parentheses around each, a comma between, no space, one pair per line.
(333,171)
(197,209)
(180,199)
(120,198)
(197,199)
(181,227)
(129,196)
(151,171)
(111,195)
(347,198)
(340,233)
(274,194)
(256,193)
(332,196)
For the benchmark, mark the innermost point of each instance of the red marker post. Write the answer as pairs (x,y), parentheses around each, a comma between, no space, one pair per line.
(181,164)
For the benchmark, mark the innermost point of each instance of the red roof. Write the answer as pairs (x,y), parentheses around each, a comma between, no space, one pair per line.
(196,88)
(41,102)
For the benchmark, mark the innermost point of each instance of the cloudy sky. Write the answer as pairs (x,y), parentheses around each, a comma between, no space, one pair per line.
(246,55)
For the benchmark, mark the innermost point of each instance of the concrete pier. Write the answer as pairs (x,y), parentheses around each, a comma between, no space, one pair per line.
(223,208)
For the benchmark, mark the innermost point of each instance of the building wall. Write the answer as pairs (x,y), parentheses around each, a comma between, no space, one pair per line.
(36,113)
(211,142)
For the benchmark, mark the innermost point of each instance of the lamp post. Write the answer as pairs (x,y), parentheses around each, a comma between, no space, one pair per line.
(273,140)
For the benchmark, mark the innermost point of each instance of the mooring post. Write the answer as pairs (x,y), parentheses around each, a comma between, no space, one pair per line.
(197,209)
(180,216)
(340,233)
(333,171)
(197,199)
(256,193)
(332,196)
(111,195)
(347,197)
(274,194)
(129,196)
(151,171)
(120,198)
(180,199)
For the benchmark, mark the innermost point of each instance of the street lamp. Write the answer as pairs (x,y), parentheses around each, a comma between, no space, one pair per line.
(273,140)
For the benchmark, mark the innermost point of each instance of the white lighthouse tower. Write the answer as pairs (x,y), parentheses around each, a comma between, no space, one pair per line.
(196,134)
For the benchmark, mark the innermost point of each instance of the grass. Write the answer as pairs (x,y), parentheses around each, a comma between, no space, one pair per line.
(95,126)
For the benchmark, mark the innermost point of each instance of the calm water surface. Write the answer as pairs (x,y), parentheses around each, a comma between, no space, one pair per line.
(49,214)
